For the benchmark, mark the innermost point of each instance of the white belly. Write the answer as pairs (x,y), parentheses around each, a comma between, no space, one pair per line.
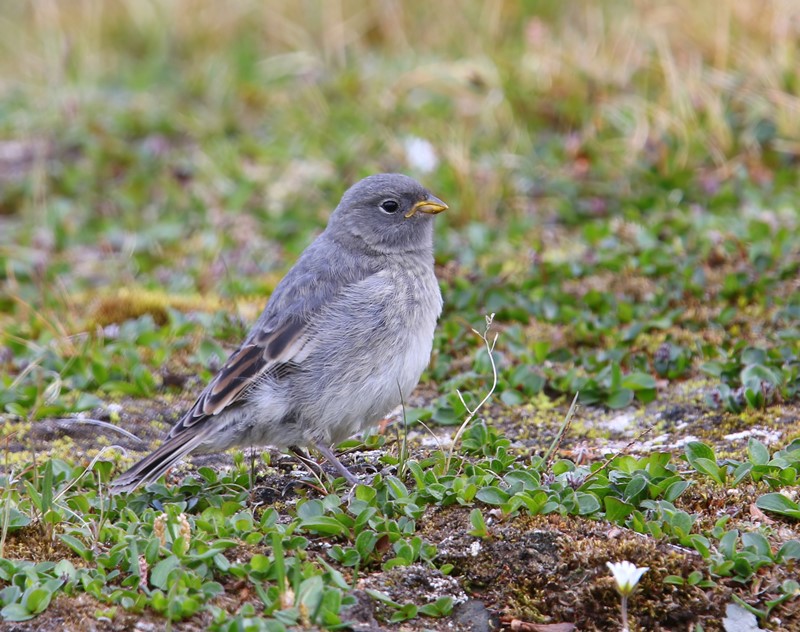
(394,365)
(366,355)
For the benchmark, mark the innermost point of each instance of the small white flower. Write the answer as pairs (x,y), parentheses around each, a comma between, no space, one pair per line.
(626,575)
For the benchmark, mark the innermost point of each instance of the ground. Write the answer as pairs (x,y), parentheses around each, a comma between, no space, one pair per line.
(622,183)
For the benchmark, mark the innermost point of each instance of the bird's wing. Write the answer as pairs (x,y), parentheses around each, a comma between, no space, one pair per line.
(283,335)
(243,368)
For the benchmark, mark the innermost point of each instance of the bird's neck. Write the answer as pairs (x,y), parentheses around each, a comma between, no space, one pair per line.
(420,242)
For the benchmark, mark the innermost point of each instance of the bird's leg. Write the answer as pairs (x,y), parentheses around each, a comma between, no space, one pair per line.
(252,467)
(337,464)
(306,460)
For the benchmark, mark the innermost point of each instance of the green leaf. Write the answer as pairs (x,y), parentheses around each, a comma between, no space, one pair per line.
(788,476)
(754,397)
(616,377)
(310,509)
(478,524)
(510,398)
(47,487)
(639,382)
(702,459)
(635,487)
(36,600)
(534,501)
(310,592)
(221,562)
(404,613)
(619,398)
(587,503)
(616,510)
(15,519)
(700,544)
(727,544)
(324,525)
(780,504)
(681,522)
(492,496)
(710,469)
(66,569)
(530,479)
(365,543)
(757,452)
(753,355)
(757,542)
(439,608)
(161,571)
(742,470)
(646,395)
(754,374)
(76,545)
(698,450)
(675,489)
(15,612)
(742,566)
(789,551)
(86,401)
(382,597)
(260,563)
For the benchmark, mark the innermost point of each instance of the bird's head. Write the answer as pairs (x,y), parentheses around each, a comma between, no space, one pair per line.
(390,212)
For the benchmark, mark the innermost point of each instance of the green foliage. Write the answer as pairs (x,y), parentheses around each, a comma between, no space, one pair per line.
(754,377)
(701,458)
(147,560)
(624,248)
(742,555)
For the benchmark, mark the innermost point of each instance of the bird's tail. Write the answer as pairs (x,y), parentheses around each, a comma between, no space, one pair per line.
(151,467)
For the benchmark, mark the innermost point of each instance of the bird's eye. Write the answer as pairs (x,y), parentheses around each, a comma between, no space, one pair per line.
(390,206)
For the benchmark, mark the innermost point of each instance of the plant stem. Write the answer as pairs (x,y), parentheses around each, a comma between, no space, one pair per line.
(625,627)
(472,412)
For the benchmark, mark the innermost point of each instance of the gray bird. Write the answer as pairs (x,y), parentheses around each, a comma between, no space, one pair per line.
(342,341)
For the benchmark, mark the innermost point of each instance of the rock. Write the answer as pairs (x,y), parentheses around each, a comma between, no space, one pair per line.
(473,616)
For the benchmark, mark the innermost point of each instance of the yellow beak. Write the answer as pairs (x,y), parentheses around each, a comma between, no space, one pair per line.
(432,206)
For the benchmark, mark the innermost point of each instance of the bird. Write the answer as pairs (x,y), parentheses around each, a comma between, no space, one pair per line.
(342,341)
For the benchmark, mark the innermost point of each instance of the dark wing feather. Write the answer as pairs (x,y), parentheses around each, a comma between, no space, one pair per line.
(242,369)
(262,354)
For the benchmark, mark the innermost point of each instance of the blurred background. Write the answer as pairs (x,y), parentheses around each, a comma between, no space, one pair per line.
(193,148)
(506,108)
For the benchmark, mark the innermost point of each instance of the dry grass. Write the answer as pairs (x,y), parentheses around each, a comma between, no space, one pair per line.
(678,85)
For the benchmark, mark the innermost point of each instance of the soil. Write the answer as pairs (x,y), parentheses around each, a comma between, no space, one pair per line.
(544,570)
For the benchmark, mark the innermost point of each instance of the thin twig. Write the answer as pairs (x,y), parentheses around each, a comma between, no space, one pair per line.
(402,456)
(7,503)
(86,469)
(66,421)
(561,432)
(472,412)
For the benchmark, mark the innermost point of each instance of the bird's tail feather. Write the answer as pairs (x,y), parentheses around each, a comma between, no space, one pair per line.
(151,467)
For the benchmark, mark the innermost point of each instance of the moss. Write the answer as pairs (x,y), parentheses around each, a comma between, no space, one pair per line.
(127,303)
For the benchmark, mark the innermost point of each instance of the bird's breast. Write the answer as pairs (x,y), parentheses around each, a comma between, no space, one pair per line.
(420,306)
